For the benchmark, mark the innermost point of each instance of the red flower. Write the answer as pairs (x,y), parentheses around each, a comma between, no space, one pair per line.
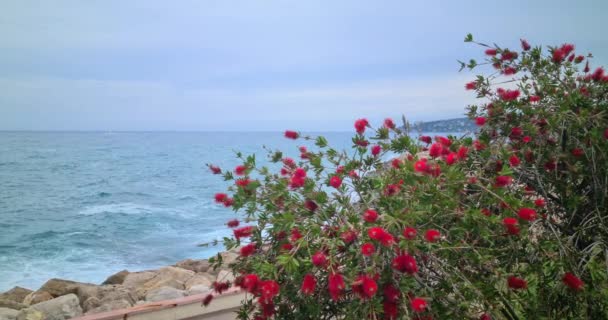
(248,250)
(514,161)
(367,249)
(528,214)
(365,287)
(432,235)
(511,226)
(517,283)
(335,182)
(567,48)
(540,202)
(362,143)
(509,71)
(335,285)
(250,283)
(207,299)
(311,205)
(220,287)
(598,74)
(418,304)
(470,85)
(503,181)
(309,284)
(228,202)
(579,59)
(425,139)
(220,197)
(295,235)
(353,174)
(391,310)
(376,149)
(240,170)
(572,281)
(409,233)
(268,290)
(405,263)
(319,259)
(297,182)
(586,67)
(525,45)
(508,55)
(491,52)
(508,95)
(389,124)
(480,121)
(436,150)
(550,165)
(370,215)
(360,125)
(478,145)
(578,152)
(291,134)
(526,139)
(451,158)
(233,223)
(243,182)
(348,236)
(421,165)
(289,162)
(485,316)
(379,234)
(444,141)
(396,163)
(534,98)
(558,55)
(287,246)
(391,294)
(243,232)
(462,152)
(392,189)
(215,169)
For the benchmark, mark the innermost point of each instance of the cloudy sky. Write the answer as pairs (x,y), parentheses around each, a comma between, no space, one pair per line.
(259,65)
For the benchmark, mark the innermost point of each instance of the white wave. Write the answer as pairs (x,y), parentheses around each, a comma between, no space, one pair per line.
(124,208)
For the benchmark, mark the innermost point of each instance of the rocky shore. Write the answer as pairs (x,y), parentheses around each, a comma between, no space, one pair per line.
(60,299)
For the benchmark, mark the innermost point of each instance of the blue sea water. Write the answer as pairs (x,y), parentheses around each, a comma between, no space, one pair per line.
(83,205)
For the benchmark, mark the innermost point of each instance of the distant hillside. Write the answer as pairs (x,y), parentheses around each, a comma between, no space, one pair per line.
(449,125)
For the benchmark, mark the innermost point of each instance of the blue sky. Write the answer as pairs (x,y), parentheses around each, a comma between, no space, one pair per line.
(259,65)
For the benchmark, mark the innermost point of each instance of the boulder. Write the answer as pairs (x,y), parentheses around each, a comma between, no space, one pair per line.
(90,304)
(197,280)
(37,297)
(110,305)
(16,294)
(60,287)
(166,277)
(30,314)
(117,278)
(135,280)
(198,289)
(225,275)
(110,296)
(197,266)
(8,314)
(11,304)
(164,293)
(61,308)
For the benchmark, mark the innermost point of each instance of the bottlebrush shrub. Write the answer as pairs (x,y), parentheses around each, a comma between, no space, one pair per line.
(509,223)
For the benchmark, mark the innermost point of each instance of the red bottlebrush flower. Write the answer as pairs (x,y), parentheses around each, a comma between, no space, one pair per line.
(284,171)
(479,146)
(250,283)
(268,290)
(486,212)
(579,59)
(391,310)
(572,281)
(409,233)
(525,45)
(335,285)
(485,316)
(215,169)
(598,74)
(517,283)
(508,55)
(367,249)
(509,71)
(376,149)
(558,55)
(220,197)
(514,161)
(389,124)
(303,149)
(299,172)
(444,141)
(340,170)
(207,299)
(470,85)
(248,250)
(405,263)
(508,95)
(432,235)
(425,139)
(379,234)
(391,190)
(243,182)
(586,69)
(243,232)
(319,259)
(353,174)
(233,223)
(348,236)
(491,52)
(309,284)
(567,48)
(577,152)
(289,162)
(391,294)
(550,165)
(295,235)
(462,152)
(503,181)
(418,305)
(436,150)
(526,139)
(335,182)
(220,287)
(362,143)
(370,215)
(360,125)
(571,58)
(228,202)
(511,225)
(240,170)
(311,205)
(291,134)
(540,202)
(365,287)
(480,121)
(421,165)
(396,163)
(287,246)
(534,98)
(451,158)
(297,182)
(528,214)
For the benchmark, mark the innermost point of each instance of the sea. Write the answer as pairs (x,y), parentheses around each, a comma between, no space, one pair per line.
(84,205)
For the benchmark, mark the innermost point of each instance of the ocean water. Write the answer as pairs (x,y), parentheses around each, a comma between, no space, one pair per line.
(82,206)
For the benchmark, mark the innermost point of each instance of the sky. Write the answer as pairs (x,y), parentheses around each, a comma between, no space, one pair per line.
(260,65)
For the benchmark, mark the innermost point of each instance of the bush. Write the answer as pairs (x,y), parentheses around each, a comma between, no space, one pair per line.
(507,224)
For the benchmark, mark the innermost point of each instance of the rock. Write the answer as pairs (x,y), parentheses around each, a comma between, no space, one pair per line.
(225,275)
(110,297)
(61,308)
(37,297)
(117,278)
(198,289)
(11,304)
(164,293)
(60,287)
(198,280)
(8,314)
(90,304)
(135,280)
(229,257)
(111,305)
(197,266)
(16,294)
(30,314)
(166,277)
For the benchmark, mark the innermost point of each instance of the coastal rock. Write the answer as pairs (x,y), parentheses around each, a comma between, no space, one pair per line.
(60,287)
(197,266)
(164,293)
(109,297)
(135,280)
(30,314)
(117,278)
(110,305)
(199,279)
(4,303)
(61,308)
(166,277)
(90,304)
(16,294)
(8,314)
(198,289)
(225,275)
(37,297)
